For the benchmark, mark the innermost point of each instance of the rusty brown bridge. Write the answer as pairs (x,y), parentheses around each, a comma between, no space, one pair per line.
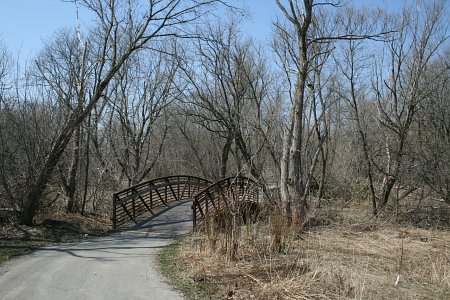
(208,199)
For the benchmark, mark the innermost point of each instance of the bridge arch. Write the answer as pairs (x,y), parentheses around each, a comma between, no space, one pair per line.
(153,195)
(232,194)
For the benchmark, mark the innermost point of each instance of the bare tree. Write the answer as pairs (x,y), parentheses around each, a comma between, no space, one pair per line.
(421,34)
(290,180)
(299,44)
(431,135)
(227,91)
(5,70)
(352,61)
(137,127)
(189,146)
(123,28)
(27,130)
(62,65)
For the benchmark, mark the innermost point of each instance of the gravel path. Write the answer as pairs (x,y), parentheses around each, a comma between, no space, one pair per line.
(120,266)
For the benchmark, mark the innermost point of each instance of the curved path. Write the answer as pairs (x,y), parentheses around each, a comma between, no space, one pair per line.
(120,266)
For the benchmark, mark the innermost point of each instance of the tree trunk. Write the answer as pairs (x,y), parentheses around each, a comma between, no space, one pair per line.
(86,170)
(295,187)
(32,198)
(224,159)
(297,140)
(284,170)
(72,205)
(369,175)
(291,165)
(388,184)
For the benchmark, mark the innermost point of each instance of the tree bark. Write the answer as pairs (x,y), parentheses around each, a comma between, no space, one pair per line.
(86,170)
(72,205)
(224,158)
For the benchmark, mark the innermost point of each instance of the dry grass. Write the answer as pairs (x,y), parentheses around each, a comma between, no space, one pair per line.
(357,261)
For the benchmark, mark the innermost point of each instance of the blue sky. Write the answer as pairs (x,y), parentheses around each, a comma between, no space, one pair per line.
(24,24)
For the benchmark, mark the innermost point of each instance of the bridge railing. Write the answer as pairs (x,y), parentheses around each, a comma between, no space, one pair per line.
(153,195)
(230,194)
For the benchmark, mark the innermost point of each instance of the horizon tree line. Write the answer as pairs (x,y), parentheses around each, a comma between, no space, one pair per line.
(345,99)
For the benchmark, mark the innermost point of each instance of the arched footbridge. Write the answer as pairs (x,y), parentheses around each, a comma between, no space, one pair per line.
(208,199)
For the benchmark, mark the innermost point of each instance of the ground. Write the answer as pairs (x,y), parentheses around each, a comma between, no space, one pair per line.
(342,254)
(121,265)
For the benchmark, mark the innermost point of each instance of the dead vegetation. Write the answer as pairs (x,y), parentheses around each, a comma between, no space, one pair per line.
(343,259)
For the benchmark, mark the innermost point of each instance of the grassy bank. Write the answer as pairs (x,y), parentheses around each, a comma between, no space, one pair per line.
(342,258)
(58,228)
(173,267)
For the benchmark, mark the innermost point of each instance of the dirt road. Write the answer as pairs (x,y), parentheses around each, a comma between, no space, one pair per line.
(120,266)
